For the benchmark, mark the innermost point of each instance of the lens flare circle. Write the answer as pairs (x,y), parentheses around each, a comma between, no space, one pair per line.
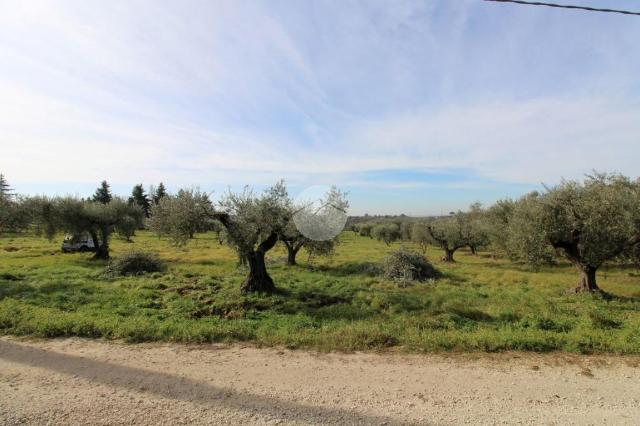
(317,216)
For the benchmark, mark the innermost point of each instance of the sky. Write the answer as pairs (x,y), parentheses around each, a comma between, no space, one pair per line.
(415,107)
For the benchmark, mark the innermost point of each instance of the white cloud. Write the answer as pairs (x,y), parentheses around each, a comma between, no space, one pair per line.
(235,92)
(533,141)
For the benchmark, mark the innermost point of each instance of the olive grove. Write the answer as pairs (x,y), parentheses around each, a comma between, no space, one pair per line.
(588,222)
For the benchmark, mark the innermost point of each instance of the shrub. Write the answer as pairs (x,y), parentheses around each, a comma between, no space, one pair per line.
(404,265)
(135,263)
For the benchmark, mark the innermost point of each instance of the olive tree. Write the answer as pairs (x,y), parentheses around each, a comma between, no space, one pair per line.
(74,216)
(321,248)
(589,222)
(523,241)
(318,220)
(127,228)
(474,227)
(180,216)
(293,241)
(448,234)
(364,229)
(405,230)
(253,223)
(386,232)
(497,219)
(420,236)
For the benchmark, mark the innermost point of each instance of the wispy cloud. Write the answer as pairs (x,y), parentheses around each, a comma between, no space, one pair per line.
(236,92)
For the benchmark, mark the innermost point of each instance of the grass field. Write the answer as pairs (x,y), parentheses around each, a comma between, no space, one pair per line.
(481,304)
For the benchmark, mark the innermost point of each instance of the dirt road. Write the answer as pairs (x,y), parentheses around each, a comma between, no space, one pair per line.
(74,381)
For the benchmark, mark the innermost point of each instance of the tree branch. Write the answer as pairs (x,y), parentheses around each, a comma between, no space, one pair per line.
(268,244)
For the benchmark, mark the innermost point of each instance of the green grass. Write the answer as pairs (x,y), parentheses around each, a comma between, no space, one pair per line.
(481,304)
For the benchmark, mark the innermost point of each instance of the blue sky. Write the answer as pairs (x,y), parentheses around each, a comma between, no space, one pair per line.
(415,107)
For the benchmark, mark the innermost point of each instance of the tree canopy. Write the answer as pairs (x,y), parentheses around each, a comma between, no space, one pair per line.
(179,217)
(474,227)
(588,222)
(74,216)
(496,219)
(420,236)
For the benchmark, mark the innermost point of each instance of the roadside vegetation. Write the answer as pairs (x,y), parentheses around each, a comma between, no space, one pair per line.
(202,271)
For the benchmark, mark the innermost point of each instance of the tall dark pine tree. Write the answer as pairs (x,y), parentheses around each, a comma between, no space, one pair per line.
(5,189)
(103,194)
(160,192)
(139,198)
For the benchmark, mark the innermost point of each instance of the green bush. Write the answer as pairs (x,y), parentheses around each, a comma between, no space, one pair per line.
(135,263)
(404,266)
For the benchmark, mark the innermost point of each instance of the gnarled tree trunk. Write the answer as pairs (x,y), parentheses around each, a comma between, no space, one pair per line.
(571,249)
(101,244)
(258,279)
(448,255)
(587,281)
(292,251)
(291,256)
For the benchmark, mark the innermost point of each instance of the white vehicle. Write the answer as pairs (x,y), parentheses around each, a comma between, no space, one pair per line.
(75,243)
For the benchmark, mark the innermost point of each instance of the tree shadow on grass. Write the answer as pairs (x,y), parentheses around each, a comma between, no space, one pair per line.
(314,302)
(319,303)
(6,276)
(87,261)
(370,269)
(610,297)
(13,288)
(182,389)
